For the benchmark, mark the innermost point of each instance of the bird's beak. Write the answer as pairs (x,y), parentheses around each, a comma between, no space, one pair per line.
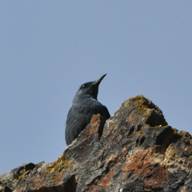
(97,82)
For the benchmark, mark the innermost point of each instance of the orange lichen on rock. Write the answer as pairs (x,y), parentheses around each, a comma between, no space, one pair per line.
(106,180)
(155,177)
(94,125)
(136,161)
(142,163)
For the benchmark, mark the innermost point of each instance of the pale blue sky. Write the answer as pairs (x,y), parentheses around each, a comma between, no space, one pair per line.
(48,48)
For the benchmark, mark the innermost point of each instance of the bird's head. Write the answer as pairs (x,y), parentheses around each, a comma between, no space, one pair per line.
(90,88)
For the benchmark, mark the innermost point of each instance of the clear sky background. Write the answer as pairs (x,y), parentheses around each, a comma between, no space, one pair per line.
(48,48)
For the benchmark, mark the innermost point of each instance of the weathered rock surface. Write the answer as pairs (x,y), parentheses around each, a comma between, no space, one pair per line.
(138,151)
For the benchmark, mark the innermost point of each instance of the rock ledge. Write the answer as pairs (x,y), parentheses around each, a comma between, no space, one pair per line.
(138,151)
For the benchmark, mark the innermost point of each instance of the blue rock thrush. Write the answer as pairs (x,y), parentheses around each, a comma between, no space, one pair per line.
(84,105)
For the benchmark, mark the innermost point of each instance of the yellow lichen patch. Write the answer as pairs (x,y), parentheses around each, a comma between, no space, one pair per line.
(170,153)
(140,103)
(136,100)
(143,110)
(172,159)
(61,164)
(158,158)
(22,174)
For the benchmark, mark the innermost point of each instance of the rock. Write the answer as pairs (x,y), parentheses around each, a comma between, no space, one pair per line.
(137,151)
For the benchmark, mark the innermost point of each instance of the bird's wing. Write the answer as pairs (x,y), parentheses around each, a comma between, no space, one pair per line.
(102,109)
(97,107)
(77,119)
(79,116)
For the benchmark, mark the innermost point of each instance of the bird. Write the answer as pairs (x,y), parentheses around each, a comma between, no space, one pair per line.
(84,105)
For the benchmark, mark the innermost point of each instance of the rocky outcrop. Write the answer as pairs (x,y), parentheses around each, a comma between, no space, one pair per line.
(138,151)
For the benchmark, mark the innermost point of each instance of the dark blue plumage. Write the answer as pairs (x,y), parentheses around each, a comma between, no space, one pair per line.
(84,105)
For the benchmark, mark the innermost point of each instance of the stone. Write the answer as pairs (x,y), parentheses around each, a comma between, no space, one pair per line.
(137,151)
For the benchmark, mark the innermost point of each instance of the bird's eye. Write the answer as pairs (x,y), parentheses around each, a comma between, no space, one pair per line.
(83,86)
